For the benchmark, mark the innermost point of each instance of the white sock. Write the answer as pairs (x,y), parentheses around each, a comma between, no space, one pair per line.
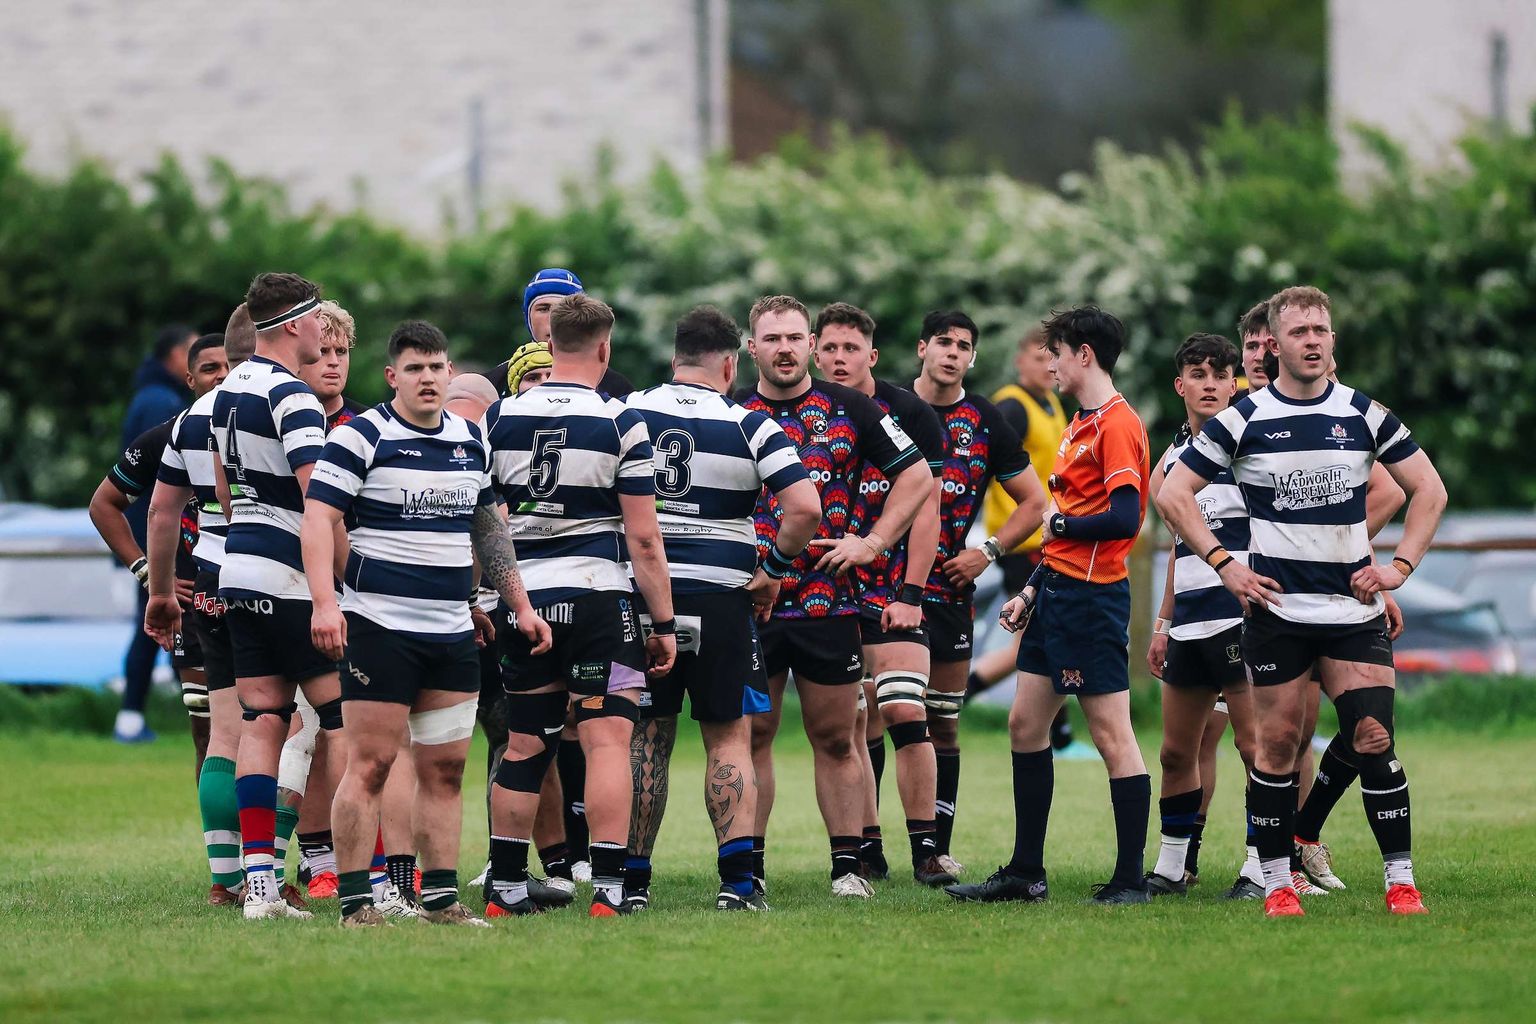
(129,722)
(1277,875)
(1251,869)
(1398,871)
(511,892)
(381,890)
(260,881)
(1171,857)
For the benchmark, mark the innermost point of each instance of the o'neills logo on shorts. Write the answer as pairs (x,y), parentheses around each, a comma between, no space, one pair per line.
(1312,488)
(432,502)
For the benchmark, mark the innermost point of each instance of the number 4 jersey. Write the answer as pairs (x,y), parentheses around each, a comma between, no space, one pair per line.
(561,454)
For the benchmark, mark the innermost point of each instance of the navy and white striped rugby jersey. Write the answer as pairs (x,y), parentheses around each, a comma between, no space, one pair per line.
(1202,607)
(713,458)
(188,462)
(414,493)
(267,424)
(561,454)
(1302,466)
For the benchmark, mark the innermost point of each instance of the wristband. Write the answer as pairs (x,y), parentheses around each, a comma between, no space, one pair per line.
(1059,525)
(141,570)
(663,627)
(1398,562)
(1162,626)
(1211,559)
(777,563)
(992,549)
(911,593)
(1223,564)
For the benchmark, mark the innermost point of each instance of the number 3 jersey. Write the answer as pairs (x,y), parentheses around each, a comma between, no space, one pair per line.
(713,458)
(836,430)
(561,454)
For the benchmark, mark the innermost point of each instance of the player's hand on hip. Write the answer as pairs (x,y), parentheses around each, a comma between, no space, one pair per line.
(162,619)
(764,591)
(901,618)
(1251,590)
(963,569)
(1394,617)
(845,553)
(485,629)
(1375,579)
(1157,654)
(537,632)
(328,631)
(660,653)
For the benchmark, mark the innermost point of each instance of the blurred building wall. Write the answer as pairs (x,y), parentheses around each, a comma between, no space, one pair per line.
(1427,70)
(345,100)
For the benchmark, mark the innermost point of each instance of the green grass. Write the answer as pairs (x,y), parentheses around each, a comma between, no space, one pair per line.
(101,916)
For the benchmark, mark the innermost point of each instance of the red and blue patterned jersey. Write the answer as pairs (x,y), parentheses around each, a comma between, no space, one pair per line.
(880,581)
(836,430)
(978,446)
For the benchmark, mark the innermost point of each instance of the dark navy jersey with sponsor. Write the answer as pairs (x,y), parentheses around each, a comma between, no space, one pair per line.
(836,430)
(135,472)
(979,446)
(880,581)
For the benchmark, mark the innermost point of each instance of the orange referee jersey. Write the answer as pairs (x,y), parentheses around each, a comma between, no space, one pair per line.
(1100,452)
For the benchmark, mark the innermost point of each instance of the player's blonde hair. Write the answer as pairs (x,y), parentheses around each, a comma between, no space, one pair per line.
(336,323)
(776,304)
(1298,296)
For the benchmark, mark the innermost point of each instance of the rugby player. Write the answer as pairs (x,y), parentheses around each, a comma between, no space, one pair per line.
(713,459)
(270,428)
(813,626)
(979,446)
(416,480)
(1301,450)
(895,644)
(575,472)
(1196,640)
(1075,641)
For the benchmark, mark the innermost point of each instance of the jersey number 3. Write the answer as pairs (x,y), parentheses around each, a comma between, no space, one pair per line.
(674,448)
(544,471)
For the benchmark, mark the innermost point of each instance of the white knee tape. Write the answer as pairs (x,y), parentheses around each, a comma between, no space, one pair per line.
(444,725)
(299,750)
(901,687)
(942,704)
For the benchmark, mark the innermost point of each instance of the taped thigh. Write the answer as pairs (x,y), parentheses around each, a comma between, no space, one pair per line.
(444,725)
(942,704)
(901,687)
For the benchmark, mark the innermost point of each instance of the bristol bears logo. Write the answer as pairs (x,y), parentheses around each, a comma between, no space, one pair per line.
(817,425)
(963,438)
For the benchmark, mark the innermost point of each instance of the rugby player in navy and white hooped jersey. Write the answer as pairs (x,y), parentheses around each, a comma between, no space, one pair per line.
(713,459)
(1196,640)
(415,479)
(890,602)
(814,625)
(575,472)
(1301,450)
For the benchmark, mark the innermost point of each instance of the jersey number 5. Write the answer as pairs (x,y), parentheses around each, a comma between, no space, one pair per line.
(544,472)
(673,450)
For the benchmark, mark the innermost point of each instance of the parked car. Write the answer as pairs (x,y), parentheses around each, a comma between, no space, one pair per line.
(1446,633)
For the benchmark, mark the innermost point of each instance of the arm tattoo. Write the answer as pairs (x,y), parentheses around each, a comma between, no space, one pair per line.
(498,558)
(723,790)
(650,758)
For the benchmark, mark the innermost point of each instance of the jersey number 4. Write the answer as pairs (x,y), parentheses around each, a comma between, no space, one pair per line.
(544,471)
(674,448)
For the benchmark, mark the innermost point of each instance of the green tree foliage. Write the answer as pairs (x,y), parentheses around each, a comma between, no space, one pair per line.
(1433,275)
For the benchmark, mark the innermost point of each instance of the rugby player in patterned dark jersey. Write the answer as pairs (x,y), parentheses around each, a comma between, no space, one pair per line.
(890,596)
(814,628)
(979,446)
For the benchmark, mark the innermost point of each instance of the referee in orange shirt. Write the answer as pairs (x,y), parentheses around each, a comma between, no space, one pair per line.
(1076,642)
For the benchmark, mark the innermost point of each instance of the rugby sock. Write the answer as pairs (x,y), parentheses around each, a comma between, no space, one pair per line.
(608,870)
(1034,779)
(877,762)
(759,857)
(946,793)
(1384,791)
(556,858)
(1336,772)
(736,866)
(872,845)
(1272,812)
(845,856)
(1251,869)
(287,820)
(354,891)
(1192,859)
(509,868)
(319,849)
(401,868)
(920,837)
(378,868)
(257,796)
(1178,813)
(637,873)
(221,820)
(1295,799)
(1398,871)
(439,888)
(1131,798)
(571,764)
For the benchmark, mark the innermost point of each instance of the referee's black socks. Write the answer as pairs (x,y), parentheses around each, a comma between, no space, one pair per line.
(1131,798)
(1034,780)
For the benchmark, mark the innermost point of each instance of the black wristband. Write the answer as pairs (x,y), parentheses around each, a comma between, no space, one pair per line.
(1059,525)
(777,563)
(911,593)
(663,627)
(1223,564)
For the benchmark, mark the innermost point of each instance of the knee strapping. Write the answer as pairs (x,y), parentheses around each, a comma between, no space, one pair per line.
(329,715)
(901,687)
(285,712)
(444,725)
(299,750)
(606,706)
(904,734)
(942,704)
(1355,706)
(527,775)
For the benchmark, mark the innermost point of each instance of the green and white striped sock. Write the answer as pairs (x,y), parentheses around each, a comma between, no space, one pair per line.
(287,821)
(221,821)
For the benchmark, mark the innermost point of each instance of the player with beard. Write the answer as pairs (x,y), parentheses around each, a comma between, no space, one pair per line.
(1302,450)
(979,447)
(895,644)
(814,625)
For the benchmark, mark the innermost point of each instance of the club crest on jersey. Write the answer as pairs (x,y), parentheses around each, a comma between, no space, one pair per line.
(963,439)
(459,454)
(818,427)
(1338,434)
(1071,677)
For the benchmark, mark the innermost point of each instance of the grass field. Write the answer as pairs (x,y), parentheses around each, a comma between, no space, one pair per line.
(102,916)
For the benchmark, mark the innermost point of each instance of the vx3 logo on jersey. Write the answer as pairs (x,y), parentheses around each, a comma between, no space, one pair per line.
(1278,435)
